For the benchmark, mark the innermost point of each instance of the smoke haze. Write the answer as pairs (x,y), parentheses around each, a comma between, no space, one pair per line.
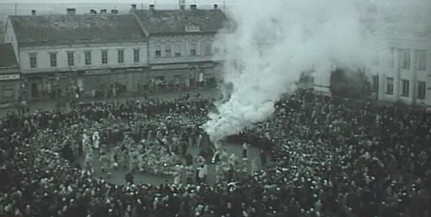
(273,43)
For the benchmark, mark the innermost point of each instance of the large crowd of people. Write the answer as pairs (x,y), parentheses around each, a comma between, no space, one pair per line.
(325,158)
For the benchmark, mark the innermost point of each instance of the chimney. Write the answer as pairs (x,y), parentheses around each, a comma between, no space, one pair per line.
(215,6)
(152,6)
(33,12)
(71,11)
(133,7)
(92,11)
(182,4)
(114,11)
(193,7)
(103,11)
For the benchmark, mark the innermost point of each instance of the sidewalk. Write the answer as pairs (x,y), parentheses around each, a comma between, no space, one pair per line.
(52,104)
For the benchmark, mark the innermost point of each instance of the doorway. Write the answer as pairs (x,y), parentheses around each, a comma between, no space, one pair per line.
(34,90)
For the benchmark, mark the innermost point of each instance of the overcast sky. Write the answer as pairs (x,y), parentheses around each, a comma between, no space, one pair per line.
(116,1)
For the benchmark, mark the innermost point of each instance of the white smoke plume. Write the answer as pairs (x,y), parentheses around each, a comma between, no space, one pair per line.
(273,43)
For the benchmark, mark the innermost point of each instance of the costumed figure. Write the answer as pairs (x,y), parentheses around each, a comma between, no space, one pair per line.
(96,140)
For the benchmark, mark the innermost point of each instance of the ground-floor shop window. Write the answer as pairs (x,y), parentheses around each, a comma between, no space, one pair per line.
(80,84)
(8,91)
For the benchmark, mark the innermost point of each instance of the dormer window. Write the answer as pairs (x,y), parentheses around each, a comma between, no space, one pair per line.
(192,28)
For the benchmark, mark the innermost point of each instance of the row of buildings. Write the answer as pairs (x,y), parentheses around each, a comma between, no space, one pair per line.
(60,55)
(54,55)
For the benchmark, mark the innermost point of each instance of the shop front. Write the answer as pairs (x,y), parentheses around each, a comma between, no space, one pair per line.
(112,82)
(86,83)
(10,88)
(182,76)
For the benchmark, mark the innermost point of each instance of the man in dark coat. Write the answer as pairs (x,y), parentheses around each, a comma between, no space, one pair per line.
(67,153)
(129,178)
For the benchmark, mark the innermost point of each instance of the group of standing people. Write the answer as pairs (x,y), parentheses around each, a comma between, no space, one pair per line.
(324,159)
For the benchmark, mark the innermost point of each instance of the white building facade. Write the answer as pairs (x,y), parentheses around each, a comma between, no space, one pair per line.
(404,67)
(84,54)
(180,44)
(89,67)
(405,75)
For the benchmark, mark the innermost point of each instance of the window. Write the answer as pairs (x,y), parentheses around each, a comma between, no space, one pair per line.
(216,50)
(421,89)
(392,58)
(208,48)
(87,55)
(178,50)
(8,91)
(33,60)
(193,49)
(375,83)
(70,58)
(168,50)
(53,59)
(158,51)
(120,56)
(160,80)
(192,28)
(178,79)
(405,59)
(421,63)
(136,55)
(104,57)
(405,88)
(389,86)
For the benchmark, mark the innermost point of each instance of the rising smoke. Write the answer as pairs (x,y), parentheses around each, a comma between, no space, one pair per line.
(273,43)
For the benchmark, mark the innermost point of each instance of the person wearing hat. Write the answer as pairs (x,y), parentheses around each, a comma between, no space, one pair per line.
(129,178)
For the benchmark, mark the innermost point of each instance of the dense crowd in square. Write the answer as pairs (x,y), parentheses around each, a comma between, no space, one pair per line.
(321,157)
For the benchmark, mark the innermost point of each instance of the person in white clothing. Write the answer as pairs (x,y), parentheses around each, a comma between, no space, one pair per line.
(254,165)
(96,140)
(245,151)
(202,173)
(85,143)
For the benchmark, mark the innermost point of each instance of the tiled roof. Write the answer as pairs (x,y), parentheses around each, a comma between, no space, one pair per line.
(7,56)
(174,21)
(78,28)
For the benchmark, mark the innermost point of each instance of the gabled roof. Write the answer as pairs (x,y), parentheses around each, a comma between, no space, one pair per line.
(7,56)
(156,22)
(79,28)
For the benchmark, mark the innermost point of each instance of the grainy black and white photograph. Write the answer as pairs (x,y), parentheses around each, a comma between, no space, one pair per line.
(215,108)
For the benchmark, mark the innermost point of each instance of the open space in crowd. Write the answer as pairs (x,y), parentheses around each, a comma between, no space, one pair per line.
(319,158)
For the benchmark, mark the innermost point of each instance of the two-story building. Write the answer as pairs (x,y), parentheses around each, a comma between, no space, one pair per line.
(403,72)
(180,45)
(92,53)
(10,76)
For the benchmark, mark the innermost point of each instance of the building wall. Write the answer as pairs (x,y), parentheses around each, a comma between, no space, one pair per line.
(186,69)
(43,57)
(184,41)
(391,66)
(44,80)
